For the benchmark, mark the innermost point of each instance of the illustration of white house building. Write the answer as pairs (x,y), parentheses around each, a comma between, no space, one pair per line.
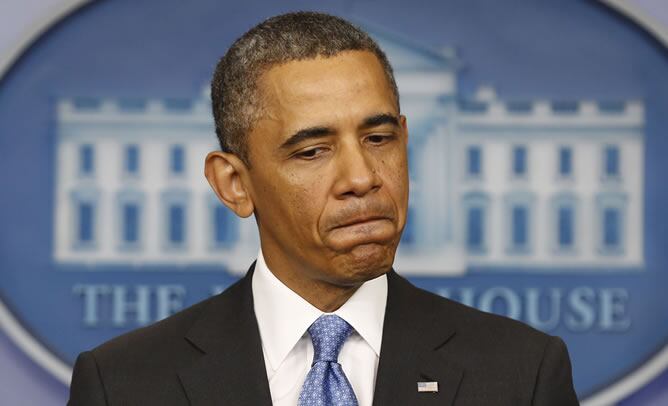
(534,185)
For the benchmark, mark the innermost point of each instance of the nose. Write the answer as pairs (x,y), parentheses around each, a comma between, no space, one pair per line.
(357,172)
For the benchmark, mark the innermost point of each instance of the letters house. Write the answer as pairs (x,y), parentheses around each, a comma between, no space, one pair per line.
(532,184)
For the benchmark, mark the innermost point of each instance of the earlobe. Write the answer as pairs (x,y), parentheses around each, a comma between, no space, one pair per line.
(226,175)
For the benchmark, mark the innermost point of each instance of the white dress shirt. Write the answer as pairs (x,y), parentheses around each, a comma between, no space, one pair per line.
(283,318)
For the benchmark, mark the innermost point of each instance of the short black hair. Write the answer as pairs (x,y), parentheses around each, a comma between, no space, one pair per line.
(288,37)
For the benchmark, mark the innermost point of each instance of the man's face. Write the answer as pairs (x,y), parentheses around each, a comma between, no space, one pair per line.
(329,178)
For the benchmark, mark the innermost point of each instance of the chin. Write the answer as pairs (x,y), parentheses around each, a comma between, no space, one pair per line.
(364,262)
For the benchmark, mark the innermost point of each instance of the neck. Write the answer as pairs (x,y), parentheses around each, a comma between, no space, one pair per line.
(323,295)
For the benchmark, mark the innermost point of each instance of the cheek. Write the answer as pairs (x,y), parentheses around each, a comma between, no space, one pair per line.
(305,198)
(395,168)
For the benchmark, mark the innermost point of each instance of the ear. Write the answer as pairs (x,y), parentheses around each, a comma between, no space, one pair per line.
(404,127)
(227,175)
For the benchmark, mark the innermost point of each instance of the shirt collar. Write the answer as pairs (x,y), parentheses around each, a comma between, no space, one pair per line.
(283,316)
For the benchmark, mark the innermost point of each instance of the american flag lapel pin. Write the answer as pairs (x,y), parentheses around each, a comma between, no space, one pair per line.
(427,387)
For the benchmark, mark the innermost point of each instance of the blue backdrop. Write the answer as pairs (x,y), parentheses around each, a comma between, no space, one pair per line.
(131,51)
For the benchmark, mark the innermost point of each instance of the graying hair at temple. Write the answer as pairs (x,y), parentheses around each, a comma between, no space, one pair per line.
(289,37)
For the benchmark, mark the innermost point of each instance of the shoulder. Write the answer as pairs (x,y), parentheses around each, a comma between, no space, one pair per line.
(159,344)
(477,325)
(144,361)
(142,366)
(169,334)
(502,357)
(482,333)
(164,344)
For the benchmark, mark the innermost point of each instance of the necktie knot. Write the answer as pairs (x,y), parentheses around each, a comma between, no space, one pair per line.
(328,334)
(326,384)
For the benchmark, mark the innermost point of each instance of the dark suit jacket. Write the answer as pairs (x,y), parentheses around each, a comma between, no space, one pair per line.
(211,354)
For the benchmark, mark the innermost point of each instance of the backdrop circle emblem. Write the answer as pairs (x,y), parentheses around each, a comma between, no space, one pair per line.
(111,226)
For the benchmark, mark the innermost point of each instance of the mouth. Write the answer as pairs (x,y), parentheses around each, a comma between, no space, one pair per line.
(361,221)
(361,230)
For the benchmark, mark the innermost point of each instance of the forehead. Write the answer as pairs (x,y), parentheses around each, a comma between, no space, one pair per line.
(348,81)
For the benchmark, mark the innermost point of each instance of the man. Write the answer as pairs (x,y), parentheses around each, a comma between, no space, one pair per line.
(314,146)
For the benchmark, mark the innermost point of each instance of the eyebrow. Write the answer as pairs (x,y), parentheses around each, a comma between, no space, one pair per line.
(322,131)
(307,133)
(380,119)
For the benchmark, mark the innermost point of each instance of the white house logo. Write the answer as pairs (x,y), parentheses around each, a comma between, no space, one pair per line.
(533,183)
(543,205)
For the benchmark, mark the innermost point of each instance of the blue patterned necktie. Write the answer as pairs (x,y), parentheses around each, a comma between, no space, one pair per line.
(326,384)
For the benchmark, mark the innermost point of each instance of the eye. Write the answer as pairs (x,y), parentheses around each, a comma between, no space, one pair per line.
(380,139)
(309,154)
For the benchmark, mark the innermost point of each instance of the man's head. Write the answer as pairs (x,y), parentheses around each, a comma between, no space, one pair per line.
(322,159)
(236,101)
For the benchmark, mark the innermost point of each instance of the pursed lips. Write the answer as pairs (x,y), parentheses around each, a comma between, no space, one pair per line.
(360,220)
(360,229)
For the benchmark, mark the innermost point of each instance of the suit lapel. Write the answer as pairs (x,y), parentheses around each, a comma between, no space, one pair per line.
(231,369)
(414,332)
